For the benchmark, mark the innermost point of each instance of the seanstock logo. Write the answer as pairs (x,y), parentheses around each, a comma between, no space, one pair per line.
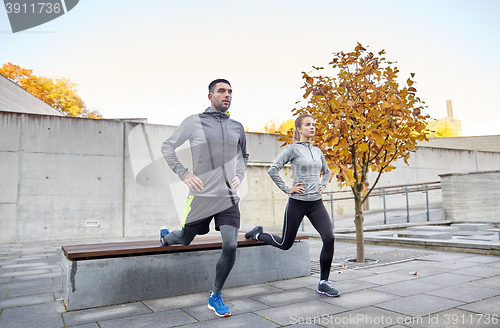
(25,14)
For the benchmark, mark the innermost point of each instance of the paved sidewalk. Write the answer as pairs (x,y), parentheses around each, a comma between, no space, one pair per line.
(441,289)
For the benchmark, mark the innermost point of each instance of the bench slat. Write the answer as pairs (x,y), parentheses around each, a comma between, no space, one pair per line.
(89,251)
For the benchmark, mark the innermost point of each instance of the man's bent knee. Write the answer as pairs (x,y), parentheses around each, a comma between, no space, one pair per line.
(229,246)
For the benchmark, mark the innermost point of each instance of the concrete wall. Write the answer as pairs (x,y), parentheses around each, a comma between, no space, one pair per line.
(15,99)
(425,165)
(56,173)
(59,176)
(471,196)
(478,143)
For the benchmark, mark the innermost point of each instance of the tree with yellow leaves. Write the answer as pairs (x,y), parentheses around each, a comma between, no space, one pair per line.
(274,127)
(59,93)
(364,121)
(441,129)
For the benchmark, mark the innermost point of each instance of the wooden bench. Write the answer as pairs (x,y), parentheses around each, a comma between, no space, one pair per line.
(103,274)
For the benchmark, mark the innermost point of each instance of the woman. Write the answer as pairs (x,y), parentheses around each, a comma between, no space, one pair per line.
(305,198)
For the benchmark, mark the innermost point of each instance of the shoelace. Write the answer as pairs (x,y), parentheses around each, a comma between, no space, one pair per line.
(218,300)
(326,282)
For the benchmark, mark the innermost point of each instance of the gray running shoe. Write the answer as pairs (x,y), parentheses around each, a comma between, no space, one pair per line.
(325,287)
(254,233)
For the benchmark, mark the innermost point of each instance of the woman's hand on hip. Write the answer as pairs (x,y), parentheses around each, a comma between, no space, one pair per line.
(297,189)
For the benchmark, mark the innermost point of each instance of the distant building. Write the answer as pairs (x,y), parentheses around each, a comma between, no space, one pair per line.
(446,124)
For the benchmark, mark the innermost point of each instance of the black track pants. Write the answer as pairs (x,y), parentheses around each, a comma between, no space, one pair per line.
(317,214)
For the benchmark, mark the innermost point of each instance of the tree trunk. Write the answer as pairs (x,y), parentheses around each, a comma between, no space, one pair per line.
(358,221)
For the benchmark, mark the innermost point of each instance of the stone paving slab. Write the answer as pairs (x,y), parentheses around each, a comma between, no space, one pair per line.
(23,265)
(249,291)
(487,259)
(422,268)
(286,314)
(39,276)
(163,304)
(465,293)
(383,269)
(5,280)
(287,297)
(104,313)
(42,315)
(419,305)
(453,265)
(347,286)
(480,271)
(289,284)
(88,325)
(388,278)
(448,279)
(237,306)
(493,282)
(407,288)
(450,256)
(27,284)
(360,299)
(237,321)
(454,318)
(367,317)
(489,306)
(11,302)
(46,273)
(169,318)
(349,274)
(303,325)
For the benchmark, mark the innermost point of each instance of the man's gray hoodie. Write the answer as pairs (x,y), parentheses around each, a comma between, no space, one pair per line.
(218,150)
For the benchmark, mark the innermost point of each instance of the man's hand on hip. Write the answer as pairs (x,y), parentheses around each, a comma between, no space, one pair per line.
(236,183)
(193,182)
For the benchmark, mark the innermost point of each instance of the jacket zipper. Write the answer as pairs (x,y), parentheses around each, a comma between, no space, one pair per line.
(309,147)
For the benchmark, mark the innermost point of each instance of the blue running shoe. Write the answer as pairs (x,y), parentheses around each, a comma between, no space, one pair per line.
(163,232)
(216,304)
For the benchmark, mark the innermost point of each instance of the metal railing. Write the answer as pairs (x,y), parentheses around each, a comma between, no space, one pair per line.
(384,192)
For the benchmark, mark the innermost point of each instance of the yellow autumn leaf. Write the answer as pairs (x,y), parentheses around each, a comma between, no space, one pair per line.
(380,141)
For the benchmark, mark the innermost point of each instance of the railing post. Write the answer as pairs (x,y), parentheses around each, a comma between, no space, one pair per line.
(427,200)
(331,209)
(385,214)
(407,207)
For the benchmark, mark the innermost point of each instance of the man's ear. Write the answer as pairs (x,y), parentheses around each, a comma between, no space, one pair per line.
(210,96)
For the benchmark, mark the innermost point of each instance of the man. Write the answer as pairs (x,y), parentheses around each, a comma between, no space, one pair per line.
(218,149)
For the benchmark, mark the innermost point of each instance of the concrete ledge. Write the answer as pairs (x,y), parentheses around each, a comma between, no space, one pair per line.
(389,226)
(108,281)
(462,247)
(425,234)
(472,226)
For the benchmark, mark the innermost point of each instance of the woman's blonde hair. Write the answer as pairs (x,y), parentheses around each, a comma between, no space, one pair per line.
(298,124)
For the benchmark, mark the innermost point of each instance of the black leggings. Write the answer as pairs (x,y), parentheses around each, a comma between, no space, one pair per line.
(317,214)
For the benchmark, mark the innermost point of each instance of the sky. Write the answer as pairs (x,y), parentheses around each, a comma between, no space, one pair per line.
(154,59)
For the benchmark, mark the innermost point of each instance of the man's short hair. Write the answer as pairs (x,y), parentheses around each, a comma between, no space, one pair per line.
(212,84)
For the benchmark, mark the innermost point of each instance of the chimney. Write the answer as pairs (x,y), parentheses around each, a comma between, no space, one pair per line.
(449,108)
